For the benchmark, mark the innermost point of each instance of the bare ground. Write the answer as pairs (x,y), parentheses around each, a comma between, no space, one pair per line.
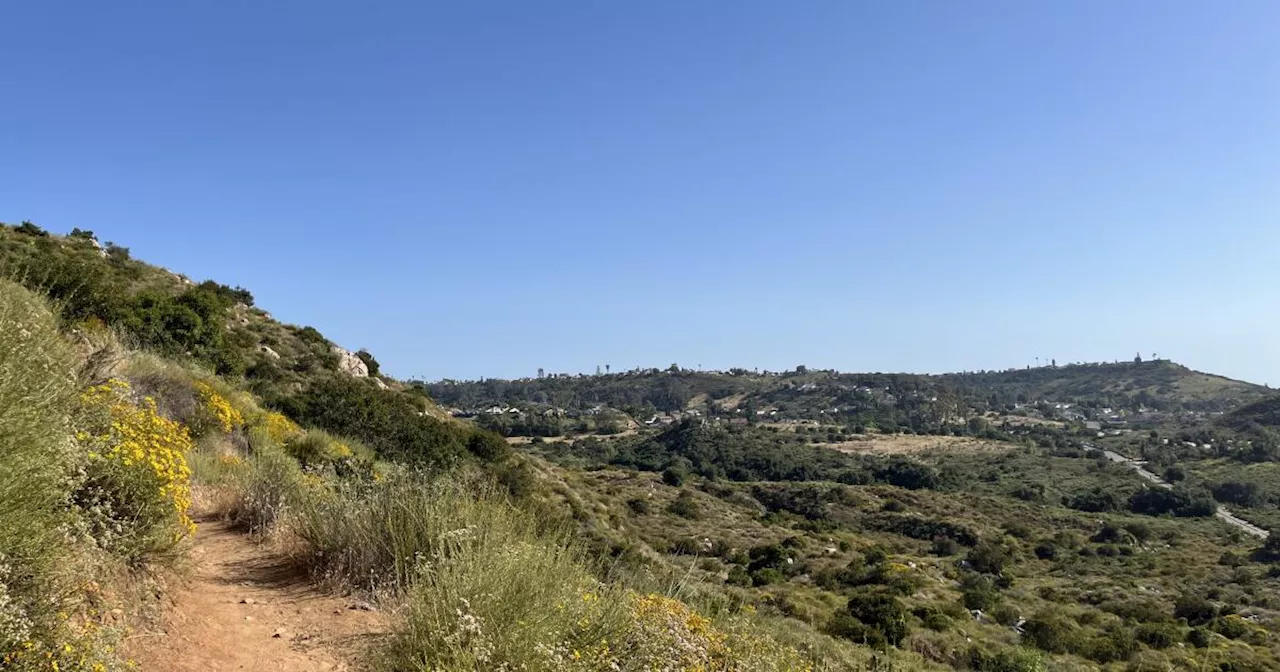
(243,607)
(908,444)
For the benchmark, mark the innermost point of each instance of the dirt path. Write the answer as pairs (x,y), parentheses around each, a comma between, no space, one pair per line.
(244,608)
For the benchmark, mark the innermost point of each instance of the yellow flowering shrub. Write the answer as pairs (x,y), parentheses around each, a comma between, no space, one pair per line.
(281,429)
(84,647)
(137,490)
(216,412)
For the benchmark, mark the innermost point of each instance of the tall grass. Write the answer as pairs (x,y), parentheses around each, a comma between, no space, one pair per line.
(37,396)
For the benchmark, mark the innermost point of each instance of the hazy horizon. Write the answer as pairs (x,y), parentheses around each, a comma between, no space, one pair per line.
(482,191)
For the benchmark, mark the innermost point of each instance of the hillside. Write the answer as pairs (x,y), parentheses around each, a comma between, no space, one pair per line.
(1263,414)
(920,403)
(655,519)
(140,437)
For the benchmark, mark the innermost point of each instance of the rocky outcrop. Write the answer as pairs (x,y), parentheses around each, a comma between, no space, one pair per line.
(269,352)
(350,364)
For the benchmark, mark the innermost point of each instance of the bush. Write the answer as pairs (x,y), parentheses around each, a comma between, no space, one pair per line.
(1006,614)
(639,506)
(988,557)
(1200,638)
(1052,632)
(685,506)
(1014,659)
(933,618)
(137,489)
(874,619)
(273,485)
(979,592)
(1180,502)
(1158,635)
(1194,608)
(389,422)
(1095,500)
(673,476)
(1237,492)
(1046,551)
(945,546)
(1117,644)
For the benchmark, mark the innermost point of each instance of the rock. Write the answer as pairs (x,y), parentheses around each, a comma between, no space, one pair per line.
(350,364)
(378,381)
(362,606)
(247,600)
(266,350)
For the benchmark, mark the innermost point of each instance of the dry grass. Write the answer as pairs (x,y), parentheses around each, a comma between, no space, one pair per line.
(910,444)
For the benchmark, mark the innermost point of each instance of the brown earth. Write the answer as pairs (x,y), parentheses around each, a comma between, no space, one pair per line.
(910,444)
(243,607)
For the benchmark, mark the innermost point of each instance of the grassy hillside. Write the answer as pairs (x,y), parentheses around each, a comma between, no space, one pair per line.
(112,441)
(1262,414)
(758,533)
(920,403)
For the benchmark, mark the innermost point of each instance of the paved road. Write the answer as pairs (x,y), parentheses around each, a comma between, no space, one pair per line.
(1223,514)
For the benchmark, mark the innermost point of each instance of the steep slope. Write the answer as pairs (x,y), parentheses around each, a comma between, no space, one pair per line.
(295,369)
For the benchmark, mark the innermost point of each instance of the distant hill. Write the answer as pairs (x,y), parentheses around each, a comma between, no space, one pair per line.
(919,402)
(1159,384)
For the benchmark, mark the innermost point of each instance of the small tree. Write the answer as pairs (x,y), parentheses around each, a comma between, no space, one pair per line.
(369,361)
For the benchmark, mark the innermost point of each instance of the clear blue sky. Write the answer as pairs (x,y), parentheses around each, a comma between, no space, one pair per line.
(483,189)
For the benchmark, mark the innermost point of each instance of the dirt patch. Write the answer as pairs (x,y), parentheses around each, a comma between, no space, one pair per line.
(908,444)
(243,607)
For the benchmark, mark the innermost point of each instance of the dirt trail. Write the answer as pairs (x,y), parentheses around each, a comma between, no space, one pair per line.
(244,608)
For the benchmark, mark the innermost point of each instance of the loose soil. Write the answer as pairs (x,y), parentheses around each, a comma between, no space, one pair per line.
(243,607)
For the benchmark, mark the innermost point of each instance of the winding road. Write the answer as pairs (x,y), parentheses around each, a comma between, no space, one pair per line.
(1223,514)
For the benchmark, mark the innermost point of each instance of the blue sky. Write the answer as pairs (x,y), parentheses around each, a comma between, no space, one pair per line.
(483,189)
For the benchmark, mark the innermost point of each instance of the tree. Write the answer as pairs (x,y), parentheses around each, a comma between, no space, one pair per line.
(876,620)
(27,228)
(369,361)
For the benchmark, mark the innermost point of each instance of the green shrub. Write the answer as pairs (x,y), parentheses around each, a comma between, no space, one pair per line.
(882,613)
(1052,632)
(639,506)
(1014,659)
(1200,638)
(1195,609)
(317,448)
(988,557)
(1006,614)
(389,422)
(1117,644)
(934,618)
(1158,635)
(685,506)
